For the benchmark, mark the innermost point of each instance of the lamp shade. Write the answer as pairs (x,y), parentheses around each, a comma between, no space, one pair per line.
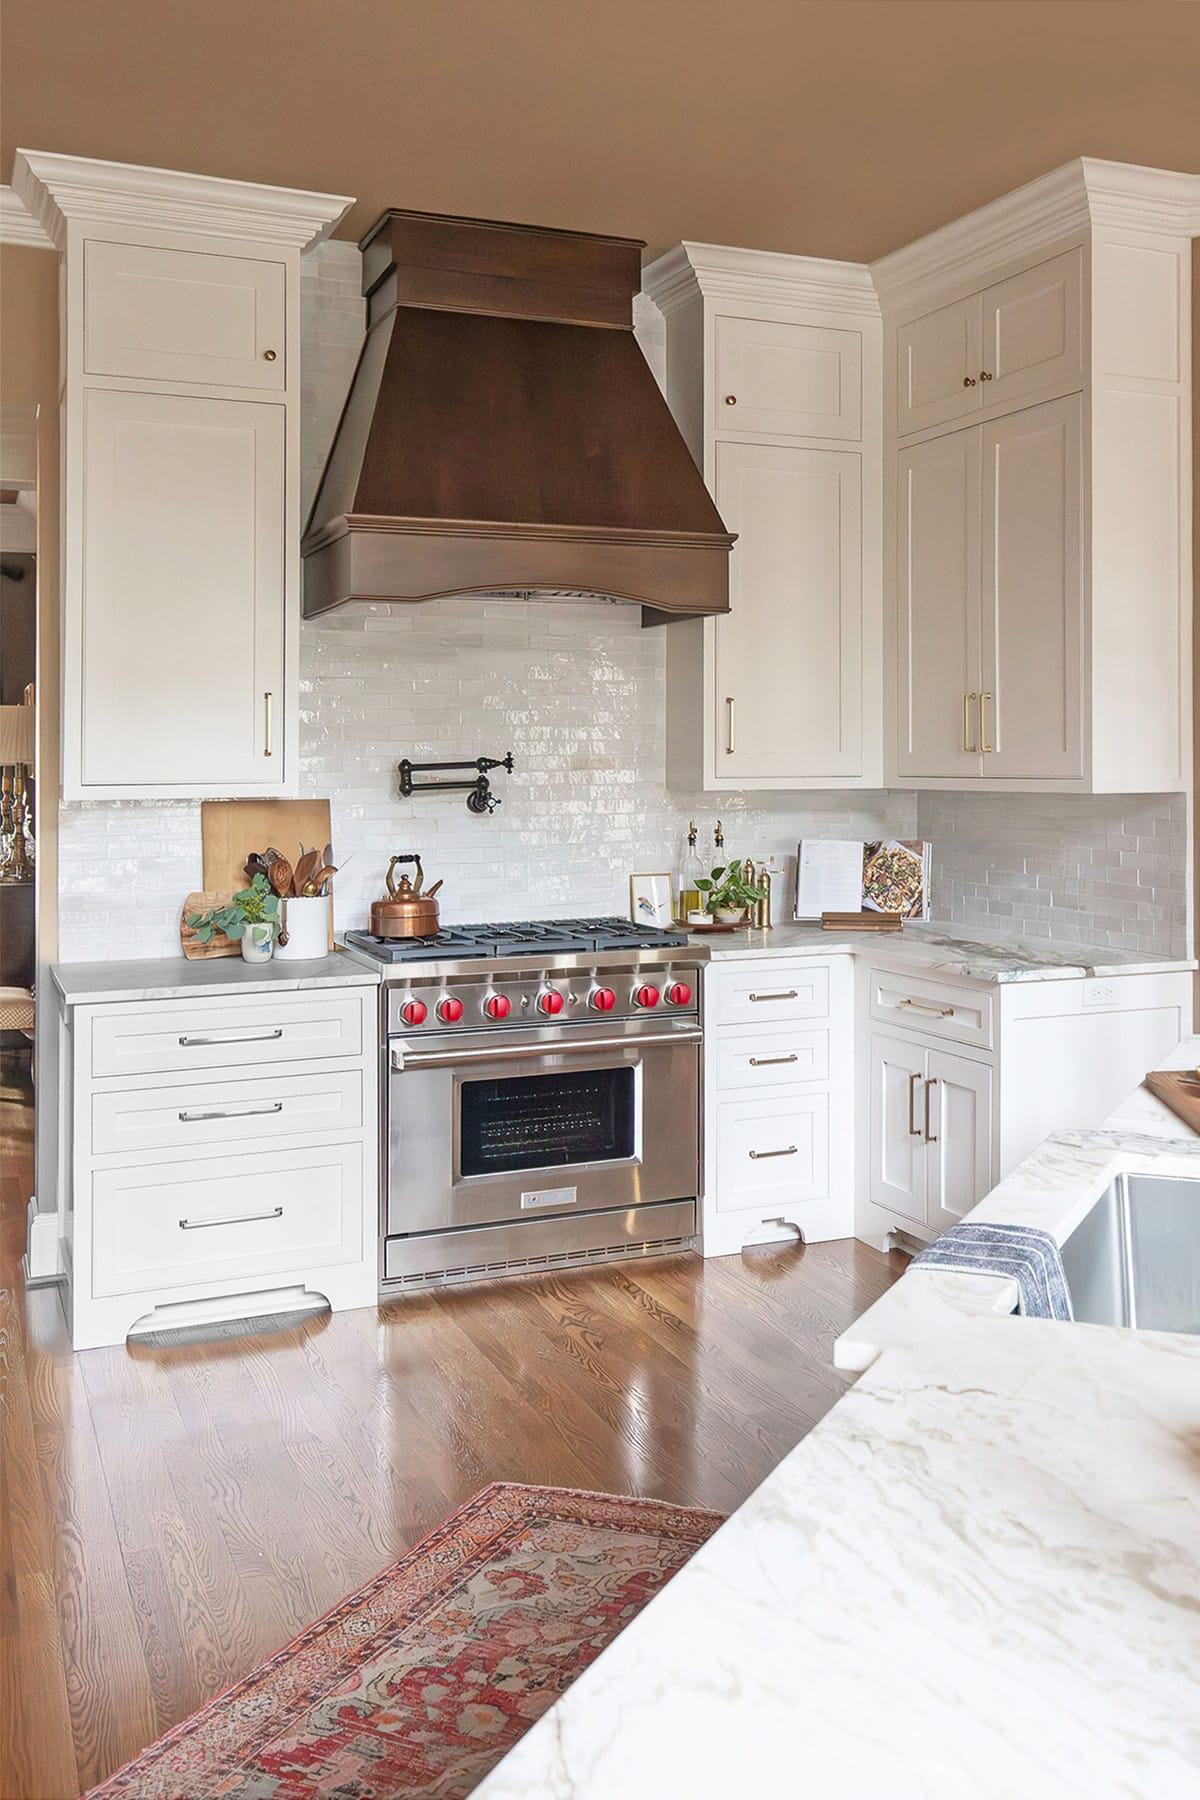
(18,734)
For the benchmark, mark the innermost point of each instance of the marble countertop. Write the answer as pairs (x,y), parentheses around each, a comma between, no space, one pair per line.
(175,978)
(947,950)
(979,1575)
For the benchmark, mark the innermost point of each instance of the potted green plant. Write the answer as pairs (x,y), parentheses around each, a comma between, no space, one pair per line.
(250,919)
(726,894)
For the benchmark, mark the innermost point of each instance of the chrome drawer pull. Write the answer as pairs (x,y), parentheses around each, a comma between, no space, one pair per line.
(231,1112)
(792,994)
(931,1012)
(230,1219)
(241,1037)
(767,1062)
(762,1155)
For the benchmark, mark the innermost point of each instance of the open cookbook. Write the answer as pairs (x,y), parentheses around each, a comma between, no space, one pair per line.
(853,874)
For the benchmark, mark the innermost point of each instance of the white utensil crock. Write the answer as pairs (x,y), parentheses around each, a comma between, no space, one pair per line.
(307,928)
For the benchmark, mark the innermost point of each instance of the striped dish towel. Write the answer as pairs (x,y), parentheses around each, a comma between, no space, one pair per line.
(1031,1257)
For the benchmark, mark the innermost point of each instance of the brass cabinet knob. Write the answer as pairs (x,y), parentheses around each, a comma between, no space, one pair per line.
(731,399)
(968,381)
(985,375)
(268,356)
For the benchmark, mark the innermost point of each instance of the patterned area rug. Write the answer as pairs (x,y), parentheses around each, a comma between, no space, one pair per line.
(416,1686)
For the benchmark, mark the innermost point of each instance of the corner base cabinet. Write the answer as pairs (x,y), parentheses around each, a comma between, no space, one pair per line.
(778,1102)
(222,1158)
(959,1082)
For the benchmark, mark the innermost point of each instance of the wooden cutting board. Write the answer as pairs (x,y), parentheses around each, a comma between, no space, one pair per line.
(218,944)
(231,829)
(1180,1090)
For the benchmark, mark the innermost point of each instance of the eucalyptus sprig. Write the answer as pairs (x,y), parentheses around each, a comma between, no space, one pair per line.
(257,904)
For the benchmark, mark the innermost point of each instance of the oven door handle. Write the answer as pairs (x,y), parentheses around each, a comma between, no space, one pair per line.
(449,1058)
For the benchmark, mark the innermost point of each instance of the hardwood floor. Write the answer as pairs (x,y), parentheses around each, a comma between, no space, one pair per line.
(169,1517)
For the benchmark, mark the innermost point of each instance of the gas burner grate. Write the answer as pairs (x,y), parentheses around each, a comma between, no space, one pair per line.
(523,937)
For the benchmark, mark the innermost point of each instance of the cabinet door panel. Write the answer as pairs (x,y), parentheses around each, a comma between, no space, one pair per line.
(959,1169)
(1031,330)
(937,593)
(179,315)
(788,661)
(783,380)
(1032,598)
(936,355)
(896,1071)
(183,592)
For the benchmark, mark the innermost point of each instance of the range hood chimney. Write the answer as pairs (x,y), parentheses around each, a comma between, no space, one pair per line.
(503,432)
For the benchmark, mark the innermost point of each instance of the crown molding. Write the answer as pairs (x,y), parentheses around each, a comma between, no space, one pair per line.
(1067,202)
(720,271)
(55,189)
(18,225)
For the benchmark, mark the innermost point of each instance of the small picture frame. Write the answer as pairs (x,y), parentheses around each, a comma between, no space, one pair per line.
(652,901)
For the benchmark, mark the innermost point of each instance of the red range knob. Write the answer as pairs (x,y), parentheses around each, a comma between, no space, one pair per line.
(450,1011)
(679,993)
(603,999)
(646,996)
(414,1012)
(550,1001)
(497,1006)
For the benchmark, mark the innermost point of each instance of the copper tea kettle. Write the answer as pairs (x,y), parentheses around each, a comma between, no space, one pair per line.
(407,912)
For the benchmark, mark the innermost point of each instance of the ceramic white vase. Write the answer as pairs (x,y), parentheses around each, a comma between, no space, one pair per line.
(307,928)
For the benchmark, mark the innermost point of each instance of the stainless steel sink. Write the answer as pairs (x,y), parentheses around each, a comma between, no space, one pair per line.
(1135,1259)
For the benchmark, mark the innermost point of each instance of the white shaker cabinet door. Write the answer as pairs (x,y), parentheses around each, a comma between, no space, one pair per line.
(937,367)
(956,1115)
(896,1173)
(781,380)
(937,589)
(1032,339)
(1032,594)
(788,663)
(181,595)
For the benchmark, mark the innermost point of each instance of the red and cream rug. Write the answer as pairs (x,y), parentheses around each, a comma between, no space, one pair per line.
(417,1685)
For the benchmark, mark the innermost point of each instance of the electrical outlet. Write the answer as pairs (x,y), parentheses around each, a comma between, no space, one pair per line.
(1099,993)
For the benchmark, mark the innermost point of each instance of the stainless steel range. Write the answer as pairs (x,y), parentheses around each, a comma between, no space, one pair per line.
(543,1097)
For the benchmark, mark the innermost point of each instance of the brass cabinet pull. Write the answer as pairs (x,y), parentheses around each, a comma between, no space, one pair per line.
(729,725)
(968,381)
(762,1155)
(931,1012)
(276,1212)
(914,1080)
(268,355)
(791,994)
(968,702)
(768,1062)
(983,743)
(929,1136)
(985,374)
(231,1112)
(731,399)
(268,722)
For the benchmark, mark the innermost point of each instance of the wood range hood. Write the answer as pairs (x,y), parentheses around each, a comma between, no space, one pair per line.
(504,434)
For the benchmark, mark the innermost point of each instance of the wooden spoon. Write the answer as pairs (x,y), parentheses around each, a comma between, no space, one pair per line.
(316,882)
(281,876)
(282,939)
(304,871)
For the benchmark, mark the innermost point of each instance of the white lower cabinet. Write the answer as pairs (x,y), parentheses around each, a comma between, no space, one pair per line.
(778,1083)
(223,1158)
(930,1131)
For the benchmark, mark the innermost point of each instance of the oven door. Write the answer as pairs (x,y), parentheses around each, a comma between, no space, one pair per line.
(489,1134)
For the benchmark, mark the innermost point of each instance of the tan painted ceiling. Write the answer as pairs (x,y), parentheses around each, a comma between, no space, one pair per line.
(837,129)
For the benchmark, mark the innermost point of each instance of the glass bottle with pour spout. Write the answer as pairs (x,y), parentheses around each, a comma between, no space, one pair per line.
(691,867)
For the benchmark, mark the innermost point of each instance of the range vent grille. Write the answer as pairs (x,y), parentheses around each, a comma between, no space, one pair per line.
(559,1259)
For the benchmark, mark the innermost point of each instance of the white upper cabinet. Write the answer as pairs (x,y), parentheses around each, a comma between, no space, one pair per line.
(774,373)
(181,446)
(183,316)
(786,380)
(1037,448)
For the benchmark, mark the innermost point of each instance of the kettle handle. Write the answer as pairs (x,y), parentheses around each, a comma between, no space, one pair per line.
(410,857)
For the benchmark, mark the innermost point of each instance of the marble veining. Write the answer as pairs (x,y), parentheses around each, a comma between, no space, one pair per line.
(175,978)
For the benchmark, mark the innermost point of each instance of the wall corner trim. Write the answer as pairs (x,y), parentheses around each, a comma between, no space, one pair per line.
(56,189)
(18,225)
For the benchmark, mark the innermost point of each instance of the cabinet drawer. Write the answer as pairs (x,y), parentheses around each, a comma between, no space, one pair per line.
(195,1114)
(772,1152)
(182,1223)
(783,380)
(182,315)
(932,1007)
(769,993)
(215,1034)
(766,1059)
